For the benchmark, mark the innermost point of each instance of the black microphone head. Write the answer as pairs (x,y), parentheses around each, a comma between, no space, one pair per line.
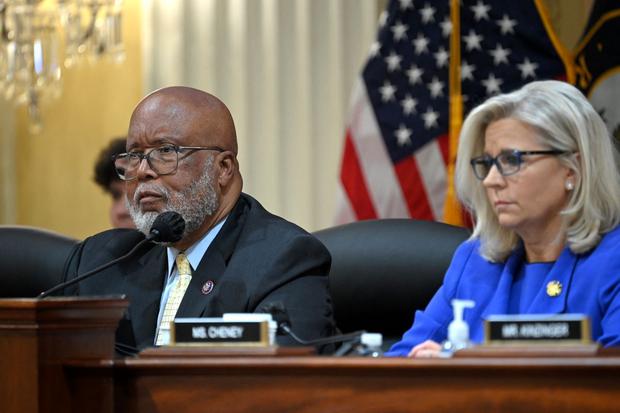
(279,314)
(168,227)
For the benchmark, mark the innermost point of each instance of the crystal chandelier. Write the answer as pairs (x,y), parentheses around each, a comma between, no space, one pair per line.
(40,37)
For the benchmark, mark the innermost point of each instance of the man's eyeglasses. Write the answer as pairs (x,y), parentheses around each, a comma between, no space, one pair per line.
(507,162)
(163,160)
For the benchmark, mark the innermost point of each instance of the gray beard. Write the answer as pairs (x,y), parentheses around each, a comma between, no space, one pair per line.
(194,203)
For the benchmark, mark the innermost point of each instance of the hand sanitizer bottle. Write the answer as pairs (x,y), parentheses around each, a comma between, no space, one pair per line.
(458,330)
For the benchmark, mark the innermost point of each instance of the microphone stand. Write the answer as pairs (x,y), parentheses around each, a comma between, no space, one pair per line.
(75,280)
(280,315)
(347,348)
(320,341)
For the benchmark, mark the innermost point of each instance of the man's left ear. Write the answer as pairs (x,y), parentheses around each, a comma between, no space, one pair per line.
(227,167)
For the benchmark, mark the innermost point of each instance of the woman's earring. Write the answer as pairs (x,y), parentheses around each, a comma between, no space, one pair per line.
(569,185)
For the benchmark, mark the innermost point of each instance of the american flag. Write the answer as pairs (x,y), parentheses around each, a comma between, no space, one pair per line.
(398,146)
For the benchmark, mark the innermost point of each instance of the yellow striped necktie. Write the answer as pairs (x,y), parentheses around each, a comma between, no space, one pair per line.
(184,271)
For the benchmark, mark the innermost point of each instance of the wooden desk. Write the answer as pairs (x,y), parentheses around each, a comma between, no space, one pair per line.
(56,356)
(321,384)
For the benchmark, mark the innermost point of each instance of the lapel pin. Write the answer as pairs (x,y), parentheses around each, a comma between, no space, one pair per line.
(207,287)
(554,288)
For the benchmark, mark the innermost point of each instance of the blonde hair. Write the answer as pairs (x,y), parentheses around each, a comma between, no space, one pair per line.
(566,121)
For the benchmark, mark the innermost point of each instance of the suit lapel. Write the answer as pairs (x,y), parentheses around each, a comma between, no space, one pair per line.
(562,272)
(213,265)
(211,269)
(499,302)
(143,281)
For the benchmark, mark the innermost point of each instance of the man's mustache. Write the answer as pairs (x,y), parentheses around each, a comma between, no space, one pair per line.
(150,189)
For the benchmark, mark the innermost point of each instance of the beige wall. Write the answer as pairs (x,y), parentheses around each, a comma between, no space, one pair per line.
(54,169)
(47,180)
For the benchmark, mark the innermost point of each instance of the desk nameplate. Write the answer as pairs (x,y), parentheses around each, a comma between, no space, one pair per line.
(219,333)
(534,329)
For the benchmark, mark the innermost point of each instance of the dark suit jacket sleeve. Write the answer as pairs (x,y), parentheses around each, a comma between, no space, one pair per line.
(299,280)
(259,258)
(92,253)
(96,251)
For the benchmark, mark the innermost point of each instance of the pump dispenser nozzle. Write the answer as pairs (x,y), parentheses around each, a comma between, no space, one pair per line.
(458,330)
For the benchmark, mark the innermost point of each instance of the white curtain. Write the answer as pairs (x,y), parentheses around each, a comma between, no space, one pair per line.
(285,68)
(8,173)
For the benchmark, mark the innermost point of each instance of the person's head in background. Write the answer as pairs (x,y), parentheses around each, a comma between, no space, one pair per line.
(108,180)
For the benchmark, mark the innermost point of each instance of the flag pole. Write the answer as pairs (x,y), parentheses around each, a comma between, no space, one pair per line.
(452,209)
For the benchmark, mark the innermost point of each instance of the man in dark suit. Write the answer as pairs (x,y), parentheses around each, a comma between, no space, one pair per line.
(182,156)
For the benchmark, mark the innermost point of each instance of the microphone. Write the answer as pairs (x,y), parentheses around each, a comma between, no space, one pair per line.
(280,316)
(168,227)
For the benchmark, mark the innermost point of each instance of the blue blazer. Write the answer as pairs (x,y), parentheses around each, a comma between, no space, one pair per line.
(590,285)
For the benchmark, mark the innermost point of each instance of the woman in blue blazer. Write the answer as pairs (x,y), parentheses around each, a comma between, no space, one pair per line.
(536,169)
